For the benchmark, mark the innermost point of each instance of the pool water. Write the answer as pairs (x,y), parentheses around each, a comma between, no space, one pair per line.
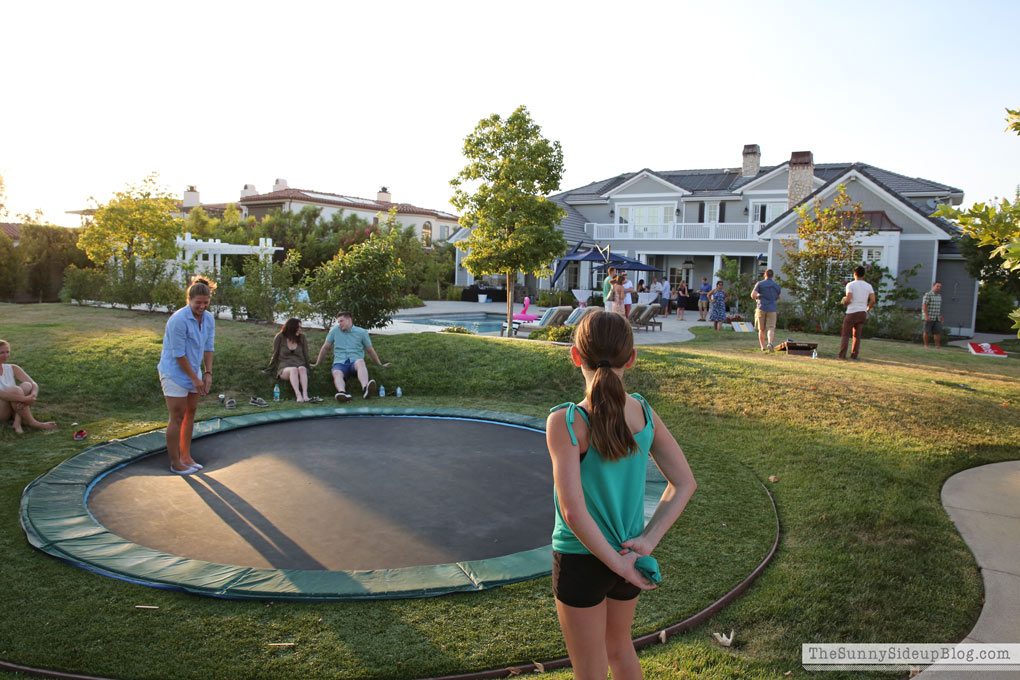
(476,322)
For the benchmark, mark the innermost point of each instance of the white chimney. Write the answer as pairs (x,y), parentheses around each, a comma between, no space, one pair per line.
(802,174)
(384,195)
(752,160)
(190,197)
(249,190)
(280,185)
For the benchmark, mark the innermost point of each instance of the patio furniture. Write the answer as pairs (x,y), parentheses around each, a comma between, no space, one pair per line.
(554,316)
(635,312)
(646,319)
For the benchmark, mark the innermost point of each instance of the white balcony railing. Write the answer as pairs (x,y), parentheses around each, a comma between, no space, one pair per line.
(728,231)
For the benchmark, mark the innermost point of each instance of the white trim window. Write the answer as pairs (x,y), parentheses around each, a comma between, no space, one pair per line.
(646,220)
(766,212)
(869,254)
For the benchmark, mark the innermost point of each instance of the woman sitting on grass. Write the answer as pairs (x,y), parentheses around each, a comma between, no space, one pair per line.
(185,371)
(290,359)
(17,394)
(601,546)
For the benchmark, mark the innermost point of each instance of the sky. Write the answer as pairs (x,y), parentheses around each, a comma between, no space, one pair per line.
(346,97)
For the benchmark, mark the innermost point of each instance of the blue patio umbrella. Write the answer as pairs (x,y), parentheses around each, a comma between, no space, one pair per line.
(601,255)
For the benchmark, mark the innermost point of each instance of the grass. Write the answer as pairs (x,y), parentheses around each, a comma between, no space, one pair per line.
(860,450)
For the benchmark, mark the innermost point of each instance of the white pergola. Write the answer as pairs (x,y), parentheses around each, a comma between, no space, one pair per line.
(206,255)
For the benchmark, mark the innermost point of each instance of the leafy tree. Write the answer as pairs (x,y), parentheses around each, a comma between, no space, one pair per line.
(986,266)
(139,221)
(199,224)
(440,267)
(513,226)
(364,280)
(409,249)
(995,227)
(12,270)
(739,284)
(47,251)
(819,261)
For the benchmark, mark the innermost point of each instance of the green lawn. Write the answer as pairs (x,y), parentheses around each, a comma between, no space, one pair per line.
(860,450)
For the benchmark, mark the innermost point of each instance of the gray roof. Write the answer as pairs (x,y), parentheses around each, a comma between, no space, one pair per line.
(572,225)
(723,181)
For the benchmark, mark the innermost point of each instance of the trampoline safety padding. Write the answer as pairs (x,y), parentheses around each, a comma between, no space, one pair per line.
(256,499)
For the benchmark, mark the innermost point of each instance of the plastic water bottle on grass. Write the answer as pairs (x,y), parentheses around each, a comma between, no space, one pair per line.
(814,353)
(382,391)
(400,392)
(276,393)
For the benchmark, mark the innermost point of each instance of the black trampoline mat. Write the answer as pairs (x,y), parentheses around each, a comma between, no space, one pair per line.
(340,493)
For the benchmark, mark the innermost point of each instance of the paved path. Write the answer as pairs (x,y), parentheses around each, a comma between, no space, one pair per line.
(984,503)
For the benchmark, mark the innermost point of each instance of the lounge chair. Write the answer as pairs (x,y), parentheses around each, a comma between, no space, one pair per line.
(578,314)
(646,319)
(554,316)
(635,312)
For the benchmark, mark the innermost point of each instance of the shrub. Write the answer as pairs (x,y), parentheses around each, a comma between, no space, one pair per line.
(456,329)
(82,285)
(895,323)
(993,308)
(553,334)
(596,300)
(167,293)
(544,299)
(453,293)
(411,300)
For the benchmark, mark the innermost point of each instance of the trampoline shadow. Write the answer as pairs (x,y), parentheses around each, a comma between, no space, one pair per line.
(251,525)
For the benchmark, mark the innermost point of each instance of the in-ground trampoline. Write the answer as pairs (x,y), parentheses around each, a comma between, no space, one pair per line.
(327,503)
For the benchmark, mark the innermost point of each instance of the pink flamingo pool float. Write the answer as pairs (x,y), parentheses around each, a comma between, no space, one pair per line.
(524,316)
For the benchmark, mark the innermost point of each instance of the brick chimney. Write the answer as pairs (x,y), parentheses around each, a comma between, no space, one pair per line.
(190,197)
(802,173)
(752,160)
(384,195)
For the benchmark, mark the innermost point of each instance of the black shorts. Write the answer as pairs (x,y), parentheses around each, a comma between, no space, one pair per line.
(933,327)
(584,581)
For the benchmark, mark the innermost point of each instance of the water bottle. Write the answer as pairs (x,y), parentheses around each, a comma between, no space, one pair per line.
(814,353)
(400,392)
(382,391)
(276,393)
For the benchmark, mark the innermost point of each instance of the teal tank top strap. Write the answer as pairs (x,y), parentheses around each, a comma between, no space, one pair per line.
(571,414)
(646,407)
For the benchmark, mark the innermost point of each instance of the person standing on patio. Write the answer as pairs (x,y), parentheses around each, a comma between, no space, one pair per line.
(767,293)
(682,293)
(349,343)
(618,296)
(931,311)
(859,299)
(628,288)
(719,297)
(664,296)
(607,285)
(703,298)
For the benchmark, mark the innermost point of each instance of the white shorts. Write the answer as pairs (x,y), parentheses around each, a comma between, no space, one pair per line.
(172,389)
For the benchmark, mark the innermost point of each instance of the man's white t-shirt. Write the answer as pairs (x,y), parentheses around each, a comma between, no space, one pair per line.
(859,291)
(665,289)
(628,287)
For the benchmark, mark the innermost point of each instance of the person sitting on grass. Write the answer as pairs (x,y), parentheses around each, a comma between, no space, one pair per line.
(290,359)
(17,394)
(349,344)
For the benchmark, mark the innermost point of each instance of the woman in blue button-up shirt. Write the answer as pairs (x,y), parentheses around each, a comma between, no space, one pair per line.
(185,371)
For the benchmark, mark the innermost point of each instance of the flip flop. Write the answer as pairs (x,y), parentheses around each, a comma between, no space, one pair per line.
(79,435)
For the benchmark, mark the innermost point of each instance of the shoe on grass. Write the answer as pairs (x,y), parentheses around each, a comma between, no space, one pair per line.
(769,348)
(258,401)
(342,397)
(368,389)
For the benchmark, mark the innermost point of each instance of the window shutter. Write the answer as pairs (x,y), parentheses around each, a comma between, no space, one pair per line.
(701,212)
(722,212)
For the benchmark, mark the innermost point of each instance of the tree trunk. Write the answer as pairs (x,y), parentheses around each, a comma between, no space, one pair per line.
(509,306)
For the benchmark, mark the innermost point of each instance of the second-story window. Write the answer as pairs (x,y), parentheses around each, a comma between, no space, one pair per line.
(426,234)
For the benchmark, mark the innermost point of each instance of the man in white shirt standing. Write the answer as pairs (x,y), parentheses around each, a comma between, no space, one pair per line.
(664,296)
(859,299)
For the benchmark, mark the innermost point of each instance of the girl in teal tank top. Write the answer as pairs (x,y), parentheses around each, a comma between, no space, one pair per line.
(601,544)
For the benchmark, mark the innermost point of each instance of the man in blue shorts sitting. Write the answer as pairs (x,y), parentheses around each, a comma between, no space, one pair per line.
(349,344)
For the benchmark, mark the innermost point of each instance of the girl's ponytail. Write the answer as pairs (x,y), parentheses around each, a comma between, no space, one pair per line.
(605,341)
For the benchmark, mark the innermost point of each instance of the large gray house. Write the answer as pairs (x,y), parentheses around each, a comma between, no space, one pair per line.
(685,221)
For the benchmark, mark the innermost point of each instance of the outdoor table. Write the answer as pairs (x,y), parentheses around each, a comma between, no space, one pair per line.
(582,295)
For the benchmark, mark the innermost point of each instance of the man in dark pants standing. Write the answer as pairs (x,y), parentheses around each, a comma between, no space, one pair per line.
(859,299)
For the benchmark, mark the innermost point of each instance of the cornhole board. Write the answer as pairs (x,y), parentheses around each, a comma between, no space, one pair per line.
(985,349)
(797,348)
(742,326)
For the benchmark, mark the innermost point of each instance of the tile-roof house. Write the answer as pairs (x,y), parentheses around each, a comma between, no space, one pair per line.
(11,230)
(430,225)
(684,221)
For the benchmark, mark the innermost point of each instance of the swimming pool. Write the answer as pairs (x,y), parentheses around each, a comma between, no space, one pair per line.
(476,322)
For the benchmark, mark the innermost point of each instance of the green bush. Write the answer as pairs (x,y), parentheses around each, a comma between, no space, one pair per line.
(596,300)
(544,299)
(993,308)
(411,300)
(453,293)
(82,285)
(894,322)
(553,334)
(456,329)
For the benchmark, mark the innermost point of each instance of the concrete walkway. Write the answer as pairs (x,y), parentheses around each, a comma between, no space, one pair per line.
(984,503)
